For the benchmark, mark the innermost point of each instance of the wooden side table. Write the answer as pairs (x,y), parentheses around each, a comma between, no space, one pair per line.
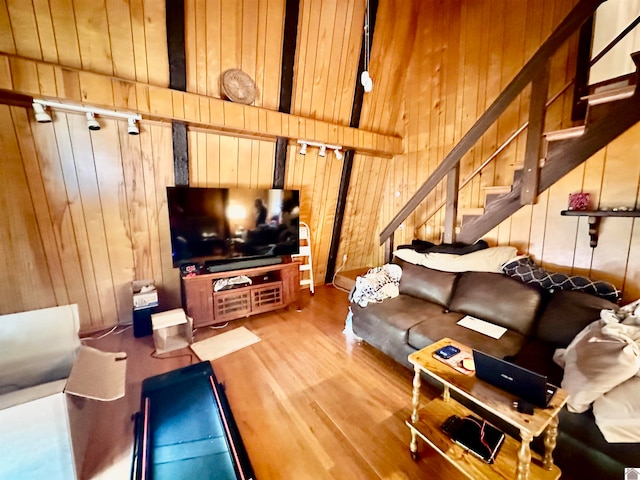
(515,459)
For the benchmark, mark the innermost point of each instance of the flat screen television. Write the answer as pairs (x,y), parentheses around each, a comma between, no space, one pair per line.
(224,226)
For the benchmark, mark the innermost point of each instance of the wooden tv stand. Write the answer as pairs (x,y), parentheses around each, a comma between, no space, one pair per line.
(273,287)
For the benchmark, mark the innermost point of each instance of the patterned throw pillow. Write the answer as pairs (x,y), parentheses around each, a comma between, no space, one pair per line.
(525,270)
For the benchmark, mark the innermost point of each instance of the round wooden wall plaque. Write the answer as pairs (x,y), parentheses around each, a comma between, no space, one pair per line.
(238,86)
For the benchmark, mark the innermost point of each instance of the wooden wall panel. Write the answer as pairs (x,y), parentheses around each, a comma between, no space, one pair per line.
(456,69)
(25,278)
(122,38)
(327,54)
(226,161)
(562,243)
(486,60)
(226,34)
(92,206)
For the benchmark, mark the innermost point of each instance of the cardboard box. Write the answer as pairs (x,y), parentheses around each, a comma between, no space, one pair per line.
(145,294)
(172,330)
(47,420)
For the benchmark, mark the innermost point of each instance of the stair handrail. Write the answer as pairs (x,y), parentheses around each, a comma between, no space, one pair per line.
(499,150)
(582,11)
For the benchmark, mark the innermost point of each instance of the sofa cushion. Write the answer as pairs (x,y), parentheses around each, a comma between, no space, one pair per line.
(445,325)
(427,284)
(567,313)
(388,323)
(498,299)
(537,356)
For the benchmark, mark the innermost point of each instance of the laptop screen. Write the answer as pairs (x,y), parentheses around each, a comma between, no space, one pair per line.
(518,381)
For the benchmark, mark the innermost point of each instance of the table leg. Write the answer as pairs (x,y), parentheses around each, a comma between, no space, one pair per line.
(524,456)
(413,446)
(550,436)
(446,395)
(415,399)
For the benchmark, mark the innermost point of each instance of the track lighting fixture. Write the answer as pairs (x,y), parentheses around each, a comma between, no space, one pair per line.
(40,107)
(92,123)
(41,115)
(132,128)
(322,146)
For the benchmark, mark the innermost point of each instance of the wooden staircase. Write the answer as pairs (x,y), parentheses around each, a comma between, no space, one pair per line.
(549,156)
(564,150)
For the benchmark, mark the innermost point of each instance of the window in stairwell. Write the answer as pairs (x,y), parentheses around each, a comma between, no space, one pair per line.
(612,18)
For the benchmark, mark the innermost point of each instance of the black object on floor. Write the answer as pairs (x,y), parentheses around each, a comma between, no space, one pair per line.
(142,321)
(186,429)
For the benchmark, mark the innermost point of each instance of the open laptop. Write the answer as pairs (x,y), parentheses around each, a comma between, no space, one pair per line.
(525,384)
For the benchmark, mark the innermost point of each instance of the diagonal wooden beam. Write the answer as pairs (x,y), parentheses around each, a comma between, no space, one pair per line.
(347,165)
(289,42)
(177,81)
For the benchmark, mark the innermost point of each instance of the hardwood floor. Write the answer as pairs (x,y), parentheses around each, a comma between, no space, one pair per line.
(309,403)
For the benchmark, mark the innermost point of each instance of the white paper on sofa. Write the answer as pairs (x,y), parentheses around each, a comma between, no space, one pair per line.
(486,328)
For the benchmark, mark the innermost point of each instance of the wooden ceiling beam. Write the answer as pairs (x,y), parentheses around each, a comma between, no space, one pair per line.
(20,75)
(7,97)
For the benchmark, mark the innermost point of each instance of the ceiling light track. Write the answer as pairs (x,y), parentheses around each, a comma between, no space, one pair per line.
(322,146)
(42,116)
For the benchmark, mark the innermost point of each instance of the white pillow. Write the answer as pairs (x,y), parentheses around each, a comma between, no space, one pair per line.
(618,412)
(409,255)
(486,260)
(598,359)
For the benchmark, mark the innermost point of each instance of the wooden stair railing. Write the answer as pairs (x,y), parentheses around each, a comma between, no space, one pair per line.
(582,11)
(607,121)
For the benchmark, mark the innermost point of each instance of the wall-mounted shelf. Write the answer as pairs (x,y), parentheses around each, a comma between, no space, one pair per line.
(594,219)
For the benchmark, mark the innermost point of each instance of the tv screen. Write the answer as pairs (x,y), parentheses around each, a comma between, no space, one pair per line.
(217,225)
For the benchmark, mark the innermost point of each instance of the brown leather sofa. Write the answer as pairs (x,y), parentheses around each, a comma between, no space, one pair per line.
(538,322)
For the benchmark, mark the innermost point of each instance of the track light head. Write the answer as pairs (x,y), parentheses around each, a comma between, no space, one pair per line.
(323,151)
(303,149)
(92,123)
(132,128)
(338,154)
(41,115)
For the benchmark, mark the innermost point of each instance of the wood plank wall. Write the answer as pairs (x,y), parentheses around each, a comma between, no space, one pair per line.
(612,177)
(456,70)
(226,34)
(90,206)
(124,39)
(84,214)
(127,42)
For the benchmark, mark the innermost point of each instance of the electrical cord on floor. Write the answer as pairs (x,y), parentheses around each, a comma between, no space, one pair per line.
(111,330)
(190,355)
(333,280)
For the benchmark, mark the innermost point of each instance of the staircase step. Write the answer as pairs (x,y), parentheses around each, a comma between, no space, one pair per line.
(564,133)
(606,94)
(496,189)
(494,192)
(467,213)
(519,166)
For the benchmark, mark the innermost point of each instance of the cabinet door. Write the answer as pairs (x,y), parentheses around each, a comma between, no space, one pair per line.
(290,283)
(199,300)
(232,304)
(267,297)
